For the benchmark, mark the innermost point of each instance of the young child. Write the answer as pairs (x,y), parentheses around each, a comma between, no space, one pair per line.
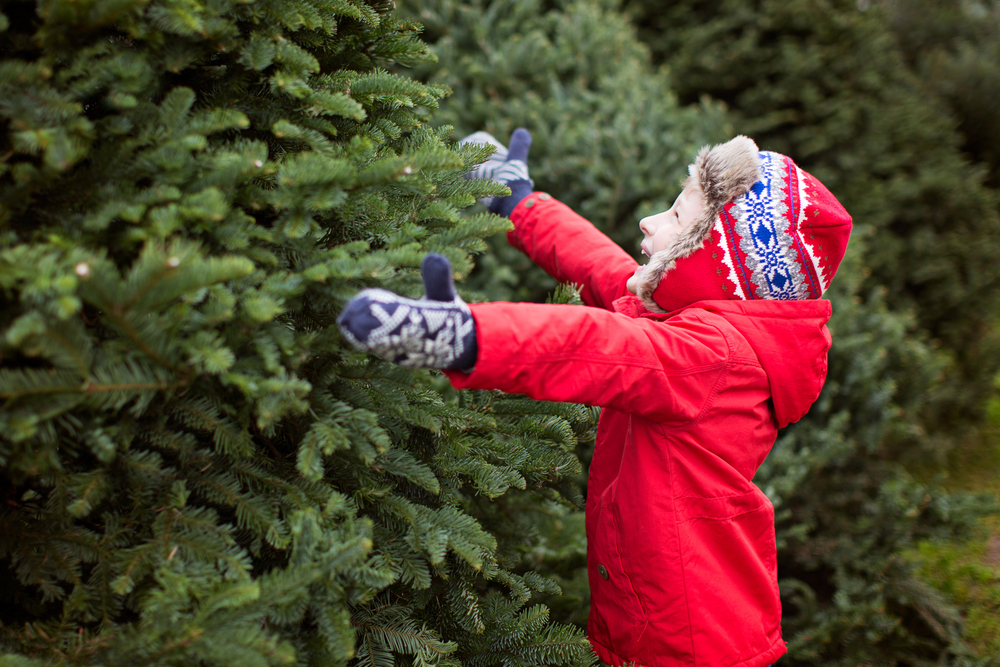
(697,358)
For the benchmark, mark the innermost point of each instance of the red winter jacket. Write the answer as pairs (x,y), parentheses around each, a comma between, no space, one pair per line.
(681,551)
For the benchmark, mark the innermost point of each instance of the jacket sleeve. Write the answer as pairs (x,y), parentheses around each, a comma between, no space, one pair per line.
(570,249)
(662,370)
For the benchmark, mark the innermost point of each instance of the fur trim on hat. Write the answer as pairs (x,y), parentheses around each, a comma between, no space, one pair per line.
(721,173)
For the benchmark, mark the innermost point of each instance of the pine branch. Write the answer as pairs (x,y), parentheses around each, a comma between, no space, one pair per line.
(88,387)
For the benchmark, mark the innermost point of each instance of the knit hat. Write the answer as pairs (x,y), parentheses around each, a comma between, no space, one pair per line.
(768,231)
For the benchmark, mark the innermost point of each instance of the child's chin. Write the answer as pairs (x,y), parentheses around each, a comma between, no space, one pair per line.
(632,285)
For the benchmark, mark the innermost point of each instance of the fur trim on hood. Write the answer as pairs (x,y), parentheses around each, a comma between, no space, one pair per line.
(721,173)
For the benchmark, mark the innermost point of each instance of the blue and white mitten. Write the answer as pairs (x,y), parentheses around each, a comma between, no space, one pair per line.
(487,169)
(436,331)
(508,167)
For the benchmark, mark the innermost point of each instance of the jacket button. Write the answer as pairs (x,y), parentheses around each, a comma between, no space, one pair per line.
(603,571)
(529,203)
(545,196)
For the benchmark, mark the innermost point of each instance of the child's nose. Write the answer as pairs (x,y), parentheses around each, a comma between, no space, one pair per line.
(651,223)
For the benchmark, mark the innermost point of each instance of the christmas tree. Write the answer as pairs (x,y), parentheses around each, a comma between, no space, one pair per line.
(195,468)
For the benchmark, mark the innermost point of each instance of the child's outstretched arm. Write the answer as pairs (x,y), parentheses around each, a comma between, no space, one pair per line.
(661,370)
(565,245)
(570,249)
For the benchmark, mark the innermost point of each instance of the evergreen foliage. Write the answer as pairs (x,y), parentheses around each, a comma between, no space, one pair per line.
(827,83)
(194,468)
(846,511)
(954,46)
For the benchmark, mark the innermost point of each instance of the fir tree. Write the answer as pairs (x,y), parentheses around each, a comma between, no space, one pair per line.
(195,469)
(954,47)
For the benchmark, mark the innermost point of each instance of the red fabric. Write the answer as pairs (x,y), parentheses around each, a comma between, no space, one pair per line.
(826,229)
(692,403)
(570,249)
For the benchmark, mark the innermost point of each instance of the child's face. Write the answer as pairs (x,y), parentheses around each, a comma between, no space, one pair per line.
(660,231)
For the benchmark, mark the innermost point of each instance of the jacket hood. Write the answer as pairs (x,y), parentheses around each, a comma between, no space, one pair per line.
(791,341)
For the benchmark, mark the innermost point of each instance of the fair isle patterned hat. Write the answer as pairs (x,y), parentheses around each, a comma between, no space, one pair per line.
(769,230)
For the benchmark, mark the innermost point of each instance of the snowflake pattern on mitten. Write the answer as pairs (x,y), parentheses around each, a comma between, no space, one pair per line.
(416,333)
(498,167)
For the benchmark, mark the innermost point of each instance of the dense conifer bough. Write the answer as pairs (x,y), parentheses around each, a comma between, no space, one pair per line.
(194,469)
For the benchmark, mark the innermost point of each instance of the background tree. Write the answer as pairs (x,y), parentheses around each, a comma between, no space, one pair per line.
(608,135)
(194,468)
(954,47)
